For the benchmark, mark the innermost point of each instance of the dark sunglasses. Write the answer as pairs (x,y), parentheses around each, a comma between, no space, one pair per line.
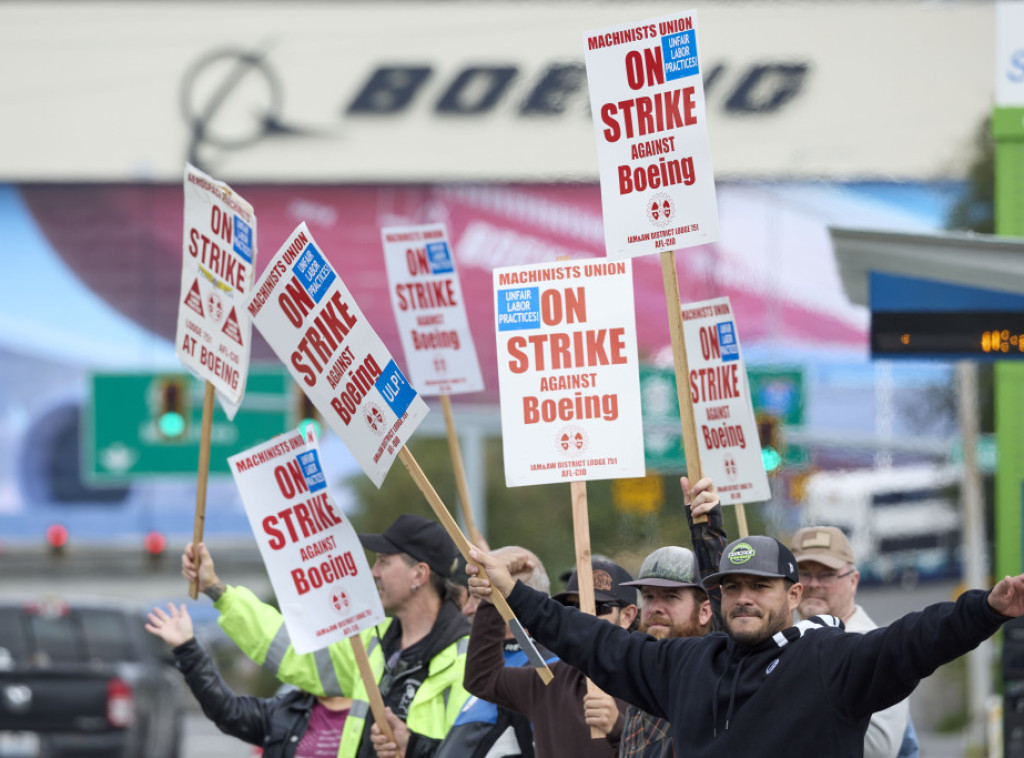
(600,609)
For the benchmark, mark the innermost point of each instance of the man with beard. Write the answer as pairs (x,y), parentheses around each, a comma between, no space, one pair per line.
(674,603)
(829,575)
(764,686)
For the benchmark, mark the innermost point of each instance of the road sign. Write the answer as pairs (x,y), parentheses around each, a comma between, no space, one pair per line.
(775,392)
(125,440)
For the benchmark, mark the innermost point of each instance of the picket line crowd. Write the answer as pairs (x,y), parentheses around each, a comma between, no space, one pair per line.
(700,655)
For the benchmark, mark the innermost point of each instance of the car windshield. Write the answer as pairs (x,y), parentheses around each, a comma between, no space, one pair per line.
(90,635)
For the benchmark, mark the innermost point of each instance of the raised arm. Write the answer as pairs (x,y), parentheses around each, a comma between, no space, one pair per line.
(709,538)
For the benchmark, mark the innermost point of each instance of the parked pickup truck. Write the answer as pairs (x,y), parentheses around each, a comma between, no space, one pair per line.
(85,680)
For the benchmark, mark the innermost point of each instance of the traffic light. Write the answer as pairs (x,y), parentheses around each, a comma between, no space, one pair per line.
(172,411)
(769,431)
(305,413)
(155,544)
(56,539)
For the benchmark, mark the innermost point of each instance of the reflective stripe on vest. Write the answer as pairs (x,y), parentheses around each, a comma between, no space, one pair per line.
(325,670)
(359,709)
(278,647)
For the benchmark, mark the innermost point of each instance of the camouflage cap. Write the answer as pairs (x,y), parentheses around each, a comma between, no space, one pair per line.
(669,566)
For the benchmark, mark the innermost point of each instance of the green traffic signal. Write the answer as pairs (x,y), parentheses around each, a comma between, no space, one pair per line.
(770,458)
(304,423)
(171,424)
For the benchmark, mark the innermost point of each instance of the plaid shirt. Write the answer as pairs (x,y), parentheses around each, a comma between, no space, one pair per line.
(645,736)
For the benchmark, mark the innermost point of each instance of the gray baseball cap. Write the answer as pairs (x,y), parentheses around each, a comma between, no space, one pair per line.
(669,566)
(756,555)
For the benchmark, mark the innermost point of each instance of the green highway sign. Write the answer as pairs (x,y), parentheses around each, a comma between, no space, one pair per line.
(149,424)
(776,394)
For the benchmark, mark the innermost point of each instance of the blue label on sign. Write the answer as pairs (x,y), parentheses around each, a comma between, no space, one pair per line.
(440,258)
(313,272)
(727,344)
(311,470)
(396,391)
(518,308)
(243,239)
(679,53)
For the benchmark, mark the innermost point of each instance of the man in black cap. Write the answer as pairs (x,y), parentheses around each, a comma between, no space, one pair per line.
(562,712)
(763,687)
(418,655)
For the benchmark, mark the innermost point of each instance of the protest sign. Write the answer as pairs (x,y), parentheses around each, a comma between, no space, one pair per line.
(213,336)
(730,452)
(310,319)
(568,372)
(314,559)
(431,314)
(647,99)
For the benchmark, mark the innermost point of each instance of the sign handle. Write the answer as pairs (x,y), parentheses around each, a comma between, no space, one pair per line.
(372,690)
(204,475)
(584,568)
(406,456)
(670,279)
(460,470)
(741,520)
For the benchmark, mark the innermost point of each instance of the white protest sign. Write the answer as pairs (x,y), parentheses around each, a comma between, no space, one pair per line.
(567,372)
(310,319)
(313,557)
(219,250)
(431,314)
(730,451)
(647,99)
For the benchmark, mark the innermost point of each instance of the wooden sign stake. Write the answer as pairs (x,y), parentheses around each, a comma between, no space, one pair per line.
(670,279)
(584,568)
(460,471)
(372,690)
(458,538)
(204,475)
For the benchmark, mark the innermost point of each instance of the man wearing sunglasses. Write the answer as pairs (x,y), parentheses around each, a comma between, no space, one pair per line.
(829,575)
(562,712)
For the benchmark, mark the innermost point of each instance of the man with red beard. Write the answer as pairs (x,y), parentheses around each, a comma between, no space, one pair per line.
(674,603)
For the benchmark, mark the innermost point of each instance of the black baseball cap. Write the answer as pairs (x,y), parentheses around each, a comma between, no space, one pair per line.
(756,555)
(609,584)
(423,539)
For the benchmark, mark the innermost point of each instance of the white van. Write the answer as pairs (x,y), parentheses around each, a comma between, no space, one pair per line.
(903,523)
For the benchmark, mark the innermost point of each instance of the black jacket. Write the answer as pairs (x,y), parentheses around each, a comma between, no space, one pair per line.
(810,690)
(277,724)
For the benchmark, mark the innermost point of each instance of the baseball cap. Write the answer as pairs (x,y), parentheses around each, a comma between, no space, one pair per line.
(423,539)
(610,584)
(755,555)
(825,544)
(669,566)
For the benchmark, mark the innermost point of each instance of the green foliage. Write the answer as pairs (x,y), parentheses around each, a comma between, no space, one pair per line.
(975,211)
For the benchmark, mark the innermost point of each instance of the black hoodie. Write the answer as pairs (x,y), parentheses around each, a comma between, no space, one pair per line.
(809,690)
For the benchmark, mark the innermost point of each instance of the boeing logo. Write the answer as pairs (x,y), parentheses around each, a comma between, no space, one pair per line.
(233,98)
